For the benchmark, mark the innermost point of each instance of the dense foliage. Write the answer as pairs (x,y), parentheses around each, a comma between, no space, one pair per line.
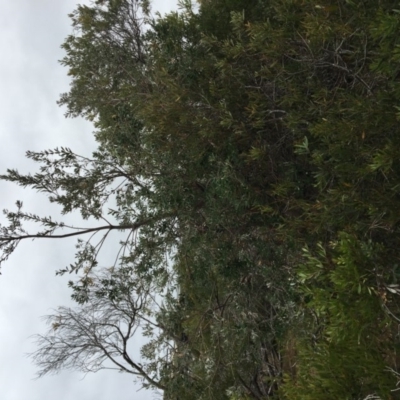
(250,151)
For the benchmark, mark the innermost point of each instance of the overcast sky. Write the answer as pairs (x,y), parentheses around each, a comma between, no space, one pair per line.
(31,32)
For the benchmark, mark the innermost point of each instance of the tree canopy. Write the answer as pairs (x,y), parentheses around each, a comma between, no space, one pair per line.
(248,151)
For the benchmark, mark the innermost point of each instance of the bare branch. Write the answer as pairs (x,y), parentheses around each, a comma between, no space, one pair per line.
(85,338)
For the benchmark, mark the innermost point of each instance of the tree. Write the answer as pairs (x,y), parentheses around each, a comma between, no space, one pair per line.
(249,150)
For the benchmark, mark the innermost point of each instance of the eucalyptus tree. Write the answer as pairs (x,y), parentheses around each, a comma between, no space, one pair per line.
(249,151)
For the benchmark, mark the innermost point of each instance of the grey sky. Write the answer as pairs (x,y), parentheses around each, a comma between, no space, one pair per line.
(31,32)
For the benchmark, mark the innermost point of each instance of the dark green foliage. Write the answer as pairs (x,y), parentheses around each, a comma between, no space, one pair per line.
(258,149)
